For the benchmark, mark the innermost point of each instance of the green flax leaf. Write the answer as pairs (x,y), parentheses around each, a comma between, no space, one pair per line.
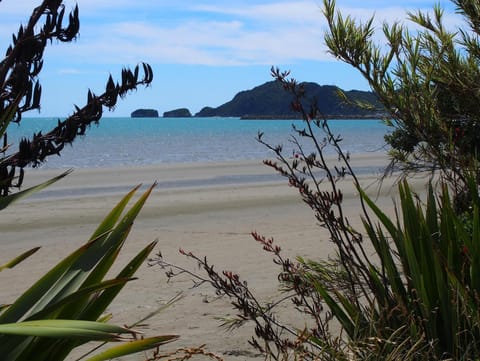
(7,200)
(131,347)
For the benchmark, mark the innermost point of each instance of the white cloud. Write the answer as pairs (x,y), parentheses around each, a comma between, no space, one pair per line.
(209,33)
(207,43)
(256,34)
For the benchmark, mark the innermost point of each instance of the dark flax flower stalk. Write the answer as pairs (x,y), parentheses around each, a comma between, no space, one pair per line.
(21,92)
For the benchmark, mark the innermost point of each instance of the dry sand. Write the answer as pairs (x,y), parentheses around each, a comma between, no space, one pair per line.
(209,209)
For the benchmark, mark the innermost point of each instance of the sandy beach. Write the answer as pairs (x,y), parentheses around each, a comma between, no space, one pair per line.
(209,209)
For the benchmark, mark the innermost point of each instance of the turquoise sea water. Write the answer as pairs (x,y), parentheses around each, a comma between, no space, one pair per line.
(144,141)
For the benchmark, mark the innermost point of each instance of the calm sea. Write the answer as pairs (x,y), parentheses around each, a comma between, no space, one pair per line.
(146,141)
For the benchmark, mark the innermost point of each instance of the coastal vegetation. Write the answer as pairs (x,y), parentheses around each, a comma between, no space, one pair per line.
(404,287)
(427,81)
(66,307)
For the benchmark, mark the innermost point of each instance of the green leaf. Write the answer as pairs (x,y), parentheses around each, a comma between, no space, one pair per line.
(95,261)
(108,248)
(383,247)
(337,311)
(383,218)
(66,291)
(129,348)
(12,263)
(112,218)
(53,309)
(35,293)
(99,304)
(7,200)
(115,239)
(66,329)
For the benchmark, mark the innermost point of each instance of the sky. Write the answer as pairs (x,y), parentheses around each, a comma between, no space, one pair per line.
(202,52)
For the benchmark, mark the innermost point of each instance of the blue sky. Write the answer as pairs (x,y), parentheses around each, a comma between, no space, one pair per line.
(202,51)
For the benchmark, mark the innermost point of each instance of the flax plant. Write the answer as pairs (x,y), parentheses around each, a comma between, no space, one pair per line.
(416,297)
(65,308)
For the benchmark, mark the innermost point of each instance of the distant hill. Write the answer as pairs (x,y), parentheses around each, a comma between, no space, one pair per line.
(270,100)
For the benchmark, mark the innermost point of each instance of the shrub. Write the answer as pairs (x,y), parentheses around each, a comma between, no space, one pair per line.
(426,80)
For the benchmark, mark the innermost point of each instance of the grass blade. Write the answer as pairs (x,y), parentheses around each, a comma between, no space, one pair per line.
(12,263)
(132,347)
(7,200)
(89,330)
(96,307)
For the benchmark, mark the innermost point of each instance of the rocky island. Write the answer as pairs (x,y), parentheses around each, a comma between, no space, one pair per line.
(271,101)
(178,113)
(144,113)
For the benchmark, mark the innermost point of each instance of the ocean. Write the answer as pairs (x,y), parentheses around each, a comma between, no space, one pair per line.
(146,141)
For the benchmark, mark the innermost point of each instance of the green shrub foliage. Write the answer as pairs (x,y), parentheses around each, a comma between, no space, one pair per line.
(427,79)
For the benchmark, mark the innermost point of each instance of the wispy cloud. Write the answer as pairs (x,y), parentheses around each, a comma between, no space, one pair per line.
(256,34)
(212,33)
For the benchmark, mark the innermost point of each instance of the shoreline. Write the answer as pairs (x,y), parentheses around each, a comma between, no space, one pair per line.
(120,179)
(292,117)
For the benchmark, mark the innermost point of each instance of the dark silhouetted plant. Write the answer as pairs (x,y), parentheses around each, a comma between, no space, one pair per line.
(21,92)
